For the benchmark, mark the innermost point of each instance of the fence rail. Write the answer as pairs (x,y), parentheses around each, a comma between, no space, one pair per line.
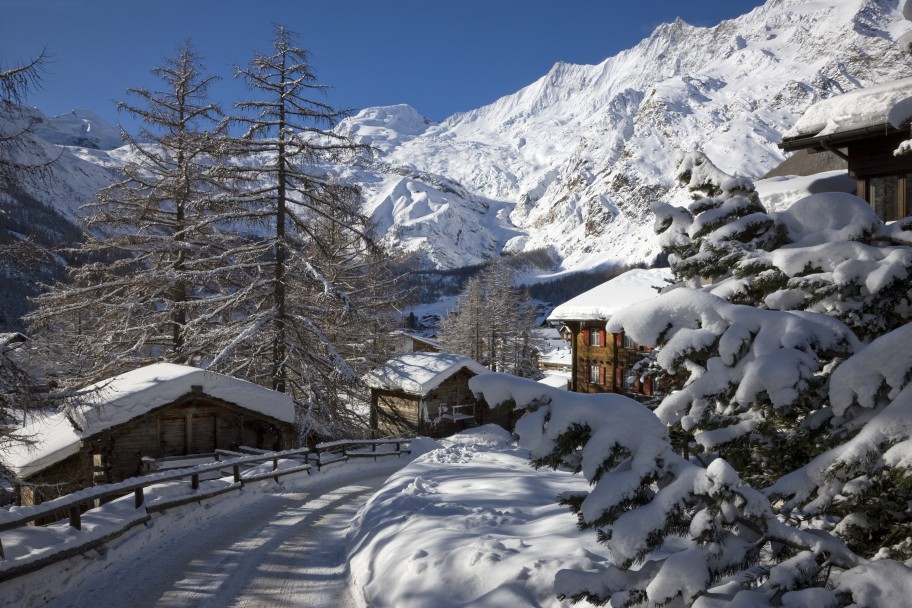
(249,459)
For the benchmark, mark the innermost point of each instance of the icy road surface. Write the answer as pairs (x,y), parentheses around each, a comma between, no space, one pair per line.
(281,550)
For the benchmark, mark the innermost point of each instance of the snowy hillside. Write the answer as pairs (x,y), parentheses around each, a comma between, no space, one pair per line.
(572,161)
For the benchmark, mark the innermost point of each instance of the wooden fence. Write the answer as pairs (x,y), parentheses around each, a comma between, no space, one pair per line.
(227,463)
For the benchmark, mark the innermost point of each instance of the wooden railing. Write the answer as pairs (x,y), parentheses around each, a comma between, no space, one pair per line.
(228,463)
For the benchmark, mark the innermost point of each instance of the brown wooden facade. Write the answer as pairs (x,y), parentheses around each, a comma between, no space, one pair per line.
(193,424)
(884,180)
(603,362)
(397,413)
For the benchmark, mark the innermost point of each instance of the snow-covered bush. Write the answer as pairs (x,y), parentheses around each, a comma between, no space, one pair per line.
(676,530)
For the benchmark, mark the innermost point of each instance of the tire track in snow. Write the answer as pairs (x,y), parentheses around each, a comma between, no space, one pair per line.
(281,550)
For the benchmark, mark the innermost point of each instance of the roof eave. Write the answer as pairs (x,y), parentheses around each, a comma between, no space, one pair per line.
(821,143)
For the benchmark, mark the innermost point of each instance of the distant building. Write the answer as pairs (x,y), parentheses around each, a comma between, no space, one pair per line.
(408,342)
(866,128)
(603,362)
(423,393)
(154,411)
(554,355)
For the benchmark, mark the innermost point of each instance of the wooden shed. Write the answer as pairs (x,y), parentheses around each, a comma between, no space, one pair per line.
(103,433)
(424,393)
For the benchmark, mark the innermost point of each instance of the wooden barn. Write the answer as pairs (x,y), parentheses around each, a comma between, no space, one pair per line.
(603,362)
(155,411)
(865,127)
(424,393)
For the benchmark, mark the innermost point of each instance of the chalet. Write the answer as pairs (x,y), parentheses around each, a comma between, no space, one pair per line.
(105,431)
(423,393)
(866,127)
(602,362)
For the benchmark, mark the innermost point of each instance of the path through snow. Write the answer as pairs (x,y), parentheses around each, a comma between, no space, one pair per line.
(281,550)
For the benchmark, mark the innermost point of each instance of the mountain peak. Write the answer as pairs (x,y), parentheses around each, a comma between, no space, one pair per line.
(79,128)
(385,127)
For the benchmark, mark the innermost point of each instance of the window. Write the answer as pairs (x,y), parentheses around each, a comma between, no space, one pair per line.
(884,195)
(595,337)
(595,376)
(628,342)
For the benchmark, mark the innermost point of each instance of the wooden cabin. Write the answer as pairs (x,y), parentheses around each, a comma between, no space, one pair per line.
(865,127)
(602,362)
(425,393)
(156,411)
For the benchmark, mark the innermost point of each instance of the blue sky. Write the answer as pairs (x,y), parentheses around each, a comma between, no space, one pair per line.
(441,57)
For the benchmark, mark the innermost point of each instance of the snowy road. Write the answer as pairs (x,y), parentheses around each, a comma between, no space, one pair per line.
(281,550)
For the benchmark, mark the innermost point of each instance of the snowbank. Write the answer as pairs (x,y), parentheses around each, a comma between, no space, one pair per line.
(469,524)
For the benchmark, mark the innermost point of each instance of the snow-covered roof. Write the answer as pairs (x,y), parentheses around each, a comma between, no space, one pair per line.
(884,104)
(599,303)
(420,373)
(120,399)
(561,381)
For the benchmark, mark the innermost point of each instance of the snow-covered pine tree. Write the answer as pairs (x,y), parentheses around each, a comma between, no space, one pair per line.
(677,531)
(152,244)
(295,287)
(826,260)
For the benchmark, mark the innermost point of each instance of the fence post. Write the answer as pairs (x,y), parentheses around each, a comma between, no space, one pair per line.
(275,467)
(2,555)
(195,481)
(236,468)
(138,497)
(75,517)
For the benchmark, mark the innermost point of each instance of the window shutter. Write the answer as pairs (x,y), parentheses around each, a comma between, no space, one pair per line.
(602,335)
(619,340)
(586,337)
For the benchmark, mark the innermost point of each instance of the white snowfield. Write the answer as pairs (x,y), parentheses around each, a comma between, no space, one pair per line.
(571,162)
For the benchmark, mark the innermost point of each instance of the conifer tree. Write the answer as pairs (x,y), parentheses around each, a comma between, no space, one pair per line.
(152,243)
(306,305)
(18,150)
(493,323)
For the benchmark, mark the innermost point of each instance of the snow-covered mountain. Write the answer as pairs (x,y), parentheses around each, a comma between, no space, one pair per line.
(570,163)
